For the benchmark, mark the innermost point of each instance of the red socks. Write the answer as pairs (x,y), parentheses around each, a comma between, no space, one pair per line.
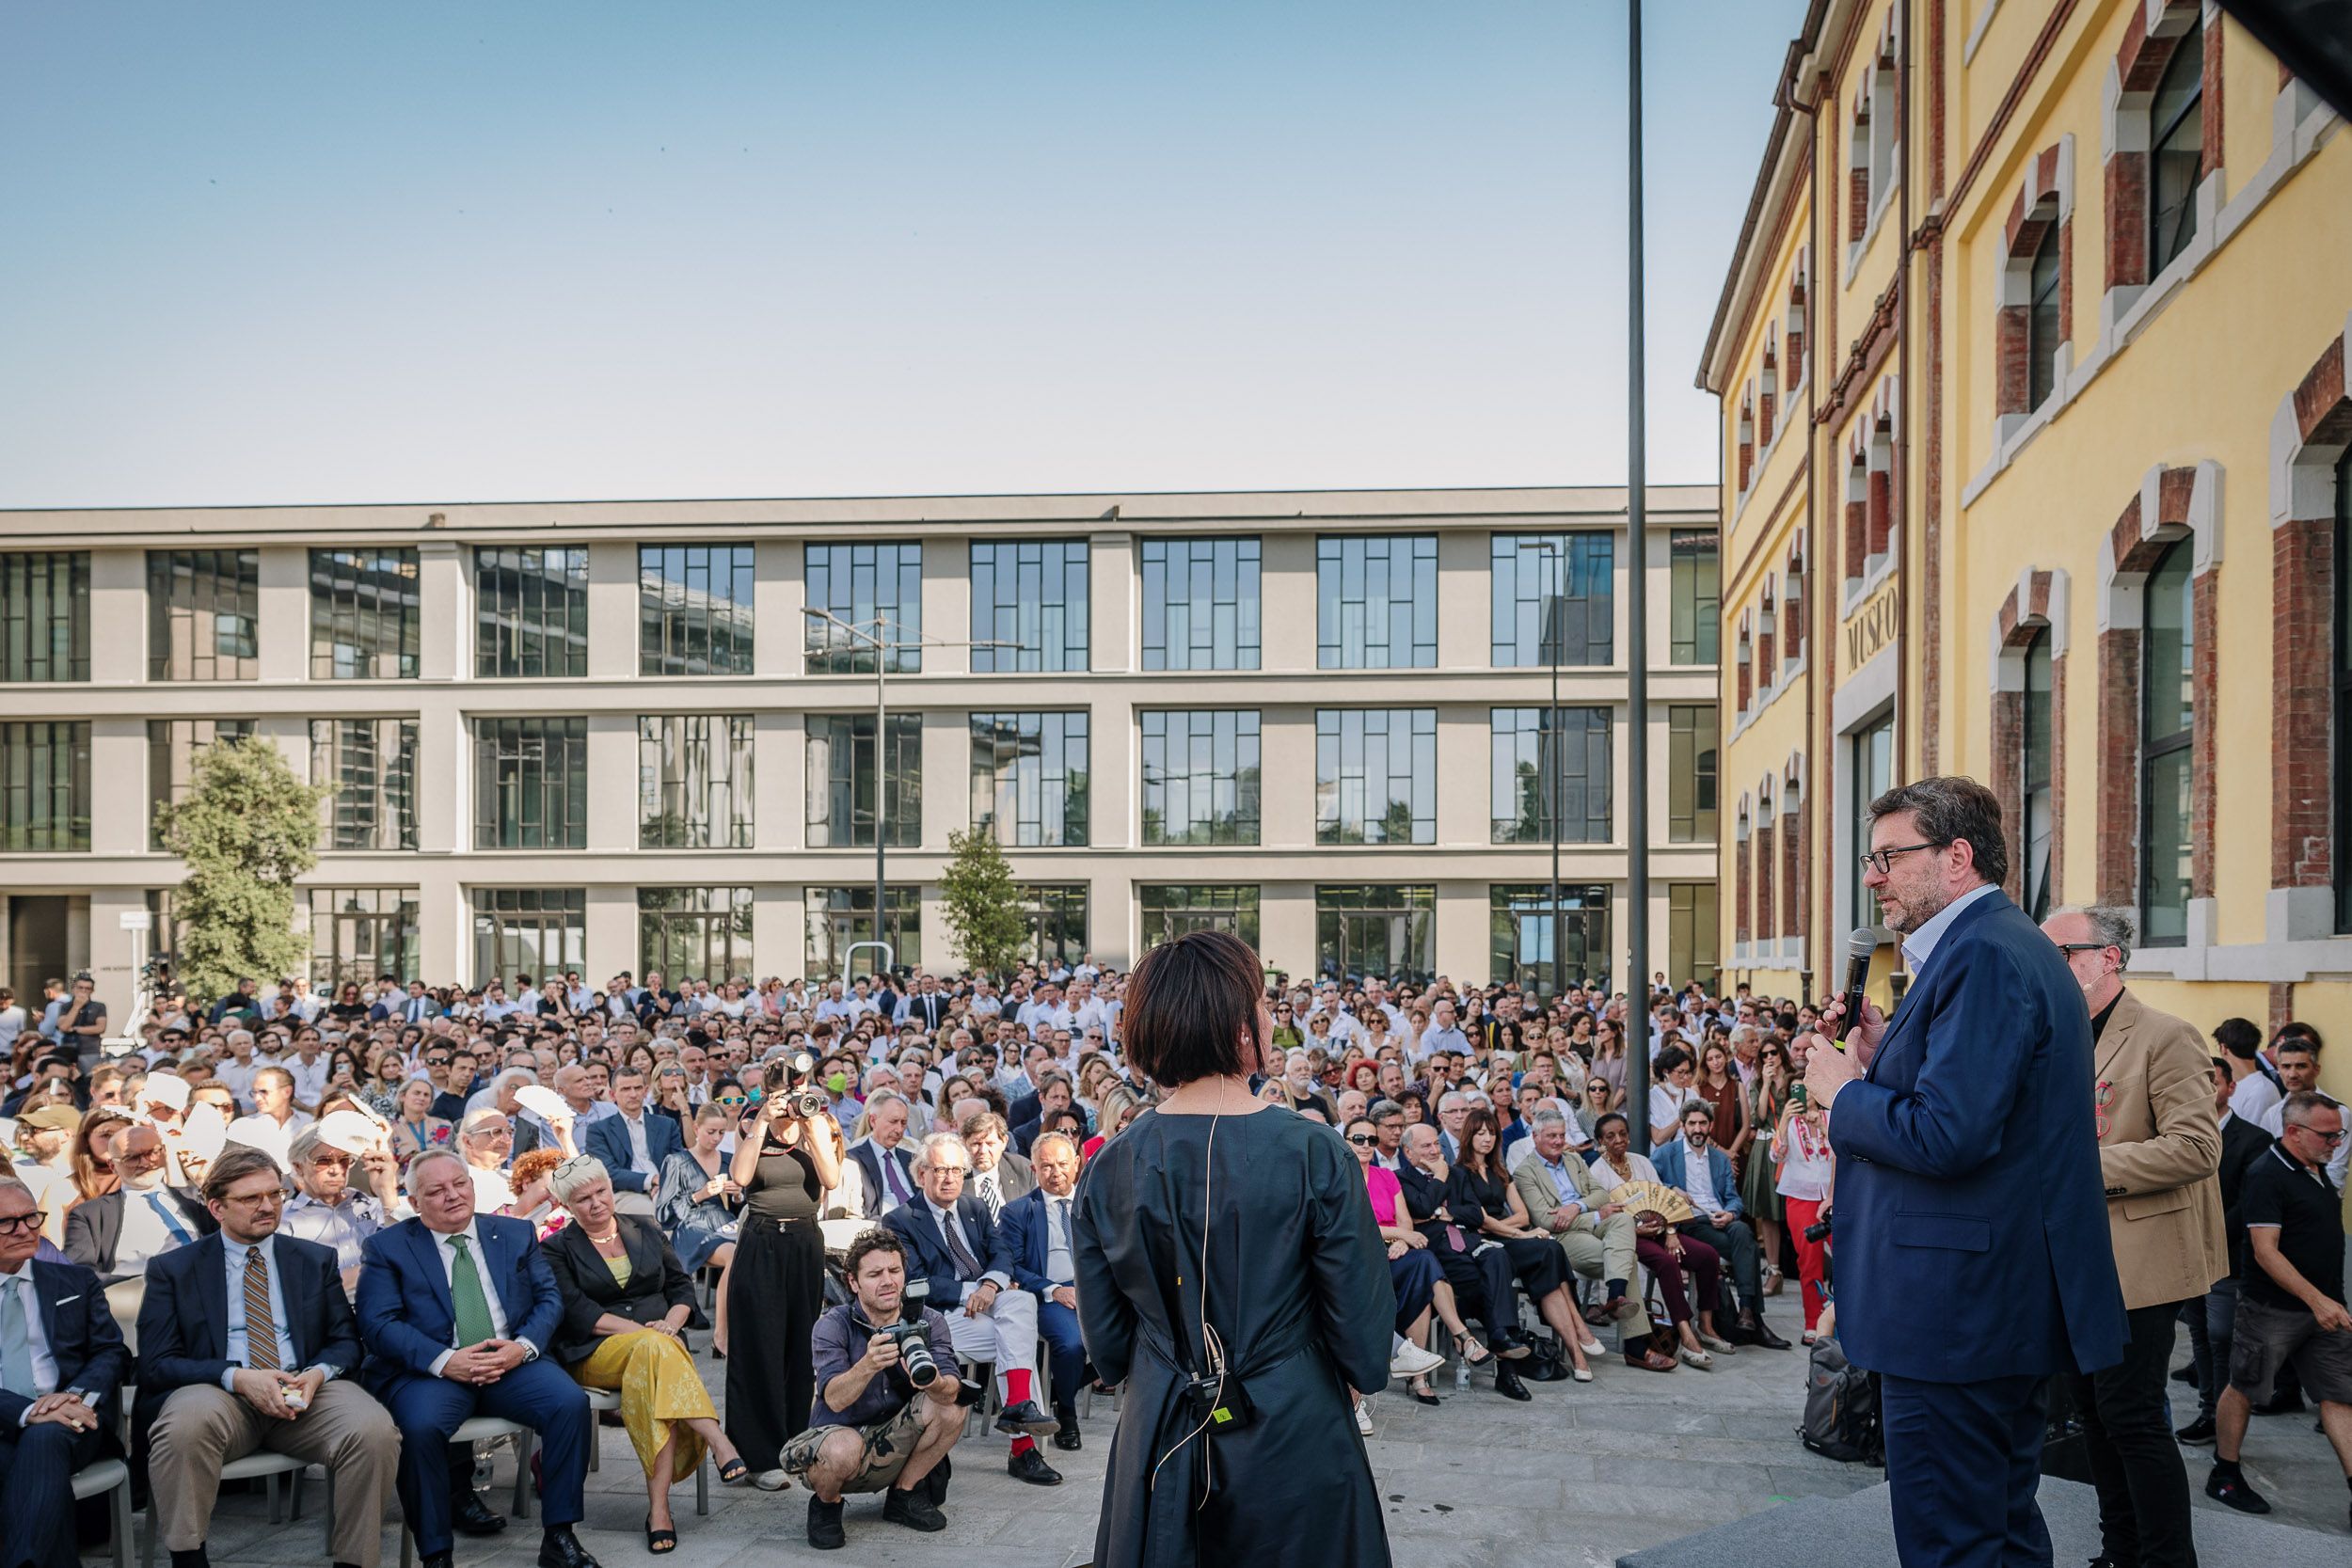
(1016,1387)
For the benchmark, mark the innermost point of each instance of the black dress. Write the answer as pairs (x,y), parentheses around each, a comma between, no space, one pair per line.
(1298,1290)
(1541,1266)
(774,1292)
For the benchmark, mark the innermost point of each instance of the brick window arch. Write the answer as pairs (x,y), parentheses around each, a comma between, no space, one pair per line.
(2168,539)
(1792,848)
(1740,929)
(2033,323)
(2156,118)
(1870,486)
(2311,659)
(1745,656)
(1747,436)
(1768,399)
(1792,597)
(1767,911)
(1794,361)
(2029,641)
(1766,671)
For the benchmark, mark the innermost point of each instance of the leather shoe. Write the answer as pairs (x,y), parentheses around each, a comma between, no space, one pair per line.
(1029,1466)
(1510,1344)
(560,1548)
(439,1559)
(474,1517)
(1026,1419)
(1508,1384)
(1068,1439)
(1763,1332)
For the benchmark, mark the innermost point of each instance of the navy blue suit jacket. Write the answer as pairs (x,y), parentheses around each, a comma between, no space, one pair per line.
(1021,1240)
(183,1321)
(608,1140)
(1972,1229)
(928,1256)
(84,1338)
(1673,1168)
(407,1319)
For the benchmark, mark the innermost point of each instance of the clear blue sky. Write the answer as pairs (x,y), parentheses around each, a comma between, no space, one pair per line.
(282,253)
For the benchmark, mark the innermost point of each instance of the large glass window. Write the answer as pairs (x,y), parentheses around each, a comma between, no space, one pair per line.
(842,781)
(1376,775)
(172,745)
(2043,325)
(530,612)
(1201,776)
(203,615)
(1520,928)
(1551,763)
(2168,724)
(534,931)
(44,786)
(1201,604)
(2176,151)
(372,764)
(1554,598)
(694,610)
(1694,571)
(1033,594)
(1029,776)
(531,784)
(840,916)
(2036,785)
(1057,922)
(1386,931)
(703,933)
(876,588)
(1169,910)
(2341,772)
(358,933)
(1871,764)
(1690,934)
(1691,774)
(693,782)
(44,615)
(363,615)
(1376,602)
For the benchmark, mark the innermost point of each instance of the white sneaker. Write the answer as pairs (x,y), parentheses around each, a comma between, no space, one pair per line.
(1412,1361)
(1363,1420)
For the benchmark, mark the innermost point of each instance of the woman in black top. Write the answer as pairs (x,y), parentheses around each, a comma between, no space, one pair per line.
(1478,1190)
(784,1165)
(1220,1236)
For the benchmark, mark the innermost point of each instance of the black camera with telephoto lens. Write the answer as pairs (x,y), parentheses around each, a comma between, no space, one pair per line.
(787,1083)
(912,1339)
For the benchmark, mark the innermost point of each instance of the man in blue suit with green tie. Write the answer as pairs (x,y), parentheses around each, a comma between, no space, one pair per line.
(454,1308)
(1973,1255)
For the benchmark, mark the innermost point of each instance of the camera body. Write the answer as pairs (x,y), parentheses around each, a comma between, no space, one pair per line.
(1818,1229)
(914,1351)
(786,1083)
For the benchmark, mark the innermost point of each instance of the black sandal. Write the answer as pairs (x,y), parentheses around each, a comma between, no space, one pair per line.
(1419,1388)
(660,1542)
(1483,1357)
(734,1472)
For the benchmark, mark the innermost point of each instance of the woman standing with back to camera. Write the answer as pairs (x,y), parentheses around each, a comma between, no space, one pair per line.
(1229,1270)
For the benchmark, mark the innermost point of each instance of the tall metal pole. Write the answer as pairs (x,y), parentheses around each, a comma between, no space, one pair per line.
(881,778)
(1559,740)
(1637,610)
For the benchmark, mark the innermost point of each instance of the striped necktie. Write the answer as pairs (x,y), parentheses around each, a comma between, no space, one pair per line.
(260,1324)
(990,1197)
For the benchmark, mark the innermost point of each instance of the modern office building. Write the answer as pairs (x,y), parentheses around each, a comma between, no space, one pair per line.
(2034,431)
(611,736)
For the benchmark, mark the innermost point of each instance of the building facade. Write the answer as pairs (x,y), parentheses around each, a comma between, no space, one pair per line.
(616,736)
(2031,359)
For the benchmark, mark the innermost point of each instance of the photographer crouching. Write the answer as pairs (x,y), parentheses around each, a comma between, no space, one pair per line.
(886,1410)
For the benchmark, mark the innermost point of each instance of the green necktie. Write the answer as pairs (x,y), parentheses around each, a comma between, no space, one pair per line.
(465,1294)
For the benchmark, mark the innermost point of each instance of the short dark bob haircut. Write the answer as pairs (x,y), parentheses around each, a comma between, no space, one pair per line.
(1191,1003)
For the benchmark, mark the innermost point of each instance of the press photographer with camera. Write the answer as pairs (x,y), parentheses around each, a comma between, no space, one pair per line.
(786,1154)
(885,1412)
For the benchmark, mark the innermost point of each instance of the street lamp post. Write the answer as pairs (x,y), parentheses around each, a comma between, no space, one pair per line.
(883,648)
(1551,796)
(1637,609)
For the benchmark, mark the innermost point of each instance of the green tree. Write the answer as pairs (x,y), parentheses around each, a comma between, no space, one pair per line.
(245,830)
(987,915)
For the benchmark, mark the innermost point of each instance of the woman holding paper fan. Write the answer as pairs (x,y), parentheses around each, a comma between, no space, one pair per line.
(1661,1249)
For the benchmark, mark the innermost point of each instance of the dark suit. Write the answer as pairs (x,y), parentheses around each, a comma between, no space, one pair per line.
(928,1255)
(929,1011)
(184,1320)
(1482,1281)
(407,1320)
(1965,1153)
(37,1462)
(93,1228)
(608,1140)
(657,1282)
(869,1157)
(1024,1242)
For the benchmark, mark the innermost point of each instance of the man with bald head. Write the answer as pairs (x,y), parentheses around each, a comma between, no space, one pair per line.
(117,1232)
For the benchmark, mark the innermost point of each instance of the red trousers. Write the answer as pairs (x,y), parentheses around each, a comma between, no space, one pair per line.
(1812,1257)
(1705,1268)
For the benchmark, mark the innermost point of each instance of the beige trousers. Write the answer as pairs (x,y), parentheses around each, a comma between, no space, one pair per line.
(203,1427)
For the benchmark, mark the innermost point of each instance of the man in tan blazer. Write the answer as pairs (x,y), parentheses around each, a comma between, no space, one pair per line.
(1567,1201)
(2160,1146)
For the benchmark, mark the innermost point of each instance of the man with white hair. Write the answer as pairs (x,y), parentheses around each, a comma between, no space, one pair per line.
(238,1070)
(325,1209)
(953,1244)
(885,1166)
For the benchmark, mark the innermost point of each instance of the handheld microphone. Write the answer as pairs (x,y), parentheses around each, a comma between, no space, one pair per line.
(1859,947)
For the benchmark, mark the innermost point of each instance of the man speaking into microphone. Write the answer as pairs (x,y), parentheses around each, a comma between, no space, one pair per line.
(1973,1259)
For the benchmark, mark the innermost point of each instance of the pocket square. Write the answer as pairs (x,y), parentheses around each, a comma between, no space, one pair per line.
(66,1301)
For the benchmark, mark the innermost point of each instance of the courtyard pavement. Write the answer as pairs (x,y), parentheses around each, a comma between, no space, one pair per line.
(1573,1479)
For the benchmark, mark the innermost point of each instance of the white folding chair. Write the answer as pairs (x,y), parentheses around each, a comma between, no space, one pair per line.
(113,1478)
(482,1429)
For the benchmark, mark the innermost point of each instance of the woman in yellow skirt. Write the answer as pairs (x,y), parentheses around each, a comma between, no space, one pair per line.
(626,1299)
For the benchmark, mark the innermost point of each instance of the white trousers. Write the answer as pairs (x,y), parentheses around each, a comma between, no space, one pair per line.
(1004,1335)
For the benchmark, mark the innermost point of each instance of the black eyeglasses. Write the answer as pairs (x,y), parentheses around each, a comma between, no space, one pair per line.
(1882,860)
(1360,1138)
(2084,946)
(20,1221)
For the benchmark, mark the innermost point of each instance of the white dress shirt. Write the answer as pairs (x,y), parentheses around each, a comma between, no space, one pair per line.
(640,1157)
(145,1231)
(1920,945)
(1698,1178)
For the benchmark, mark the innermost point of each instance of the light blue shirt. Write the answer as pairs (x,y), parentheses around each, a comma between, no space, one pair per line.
(1920,945)
(1564,1183)
(239,1345)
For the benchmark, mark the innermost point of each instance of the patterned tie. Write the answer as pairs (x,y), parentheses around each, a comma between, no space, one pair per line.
(465,1294)
(989,1195)
(891,1175)
(16,1338)
(967,1266)
(261,1326)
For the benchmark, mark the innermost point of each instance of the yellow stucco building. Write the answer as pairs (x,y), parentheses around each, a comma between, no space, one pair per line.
(2031,361)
